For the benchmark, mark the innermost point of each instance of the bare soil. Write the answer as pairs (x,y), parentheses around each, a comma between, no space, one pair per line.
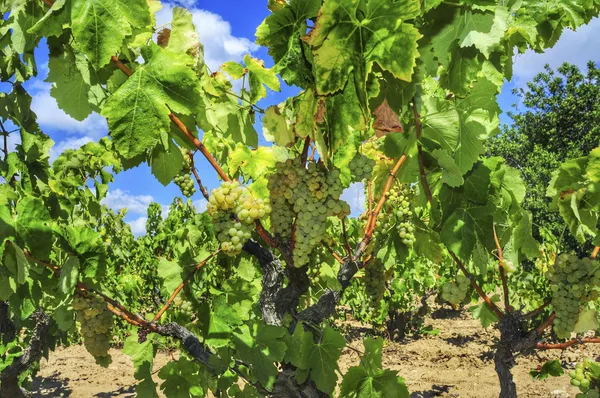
(455,363)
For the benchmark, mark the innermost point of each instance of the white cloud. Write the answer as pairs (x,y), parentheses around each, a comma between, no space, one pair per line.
(138,226)
(70,143)
(355,196)
(51,117)
(574,47)
(215,35)
(136,204)
(200,205)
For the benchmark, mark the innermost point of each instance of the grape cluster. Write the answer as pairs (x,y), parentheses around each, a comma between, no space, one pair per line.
(185,183)
(398,202)
(375,278)
(361,167)
(583,377)
(573,282)
(184,179)
(183,306)
(96,323)
(234,210)
(455,292)
(309,194)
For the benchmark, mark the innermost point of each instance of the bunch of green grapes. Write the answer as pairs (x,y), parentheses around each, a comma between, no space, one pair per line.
(234,211)
(96,324)
(184,181)
(225,197)
(573,281)
(585,376)
(397,203)
(375,283)
(183,306)
(249,209)
(361,167)
(304,196)
(455,292)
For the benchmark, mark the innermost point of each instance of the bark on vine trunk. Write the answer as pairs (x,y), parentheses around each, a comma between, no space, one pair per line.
(9,377)
(503,363)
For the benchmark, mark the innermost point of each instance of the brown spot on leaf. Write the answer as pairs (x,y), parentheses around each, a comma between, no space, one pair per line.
(163,37)
(320,115)
(386,120)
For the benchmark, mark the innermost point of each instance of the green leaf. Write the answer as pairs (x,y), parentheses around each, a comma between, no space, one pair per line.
(281,33)
(323,358)
(276,128)
(142,355)
(166,163)
(348,38)
(170,272)
(259,77)
(588,320)
(485,30)
(100,26)
(138,112)
(75,89)
(260,346)
(184,36)
(31,226)
(16,262)
(451,174)
(69,273)
(484,313)
(550,368)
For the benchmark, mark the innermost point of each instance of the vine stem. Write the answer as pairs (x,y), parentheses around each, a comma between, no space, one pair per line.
(197,177)
(198,144)
(48,3)
(566,344)
(177,290)
(502,270)
(479,290)
(595,252)
(372,220)
(345,233)
(333,253)
(538,310)
(540,329)
(5,134)
(419,128)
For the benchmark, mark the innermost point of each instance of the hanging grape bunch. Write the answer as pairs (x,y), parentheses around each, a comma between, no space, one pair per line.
(585,376)
(183,306)
(573,282)
(398,204)
(455,292)
(96,323)
(361,167)
(305,196)
(184,179)
(375,278)
(234,210)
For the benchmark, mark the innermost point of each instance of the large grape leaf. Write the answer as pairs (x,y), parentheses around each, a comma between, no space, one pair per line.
(166,162)
(31,226)
(276,128)
(74,87)
(138,112)
(369,379)
(100,26)
(483,30)
(260,346)
(348,38)
(281,32)
(184,36)
(51,24)
(142,355)
(258,78)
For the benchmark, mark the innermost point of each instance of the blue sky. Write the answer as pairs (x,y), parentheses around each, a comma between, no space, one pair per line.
(226,29)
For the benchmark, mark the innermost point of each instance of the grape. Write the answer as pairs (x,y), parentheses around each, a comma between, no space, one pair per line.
(375,277)
(96,324)
(455,292)
(573,282)
(306,197)
(183,306)
(234,210)
(185,183)
(584,377)
(397,203)
(361,167)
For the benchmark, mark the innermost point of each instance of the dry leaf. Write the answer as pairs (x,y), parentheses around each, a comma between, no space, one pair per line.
(163,37)
(386,120)
(320,115)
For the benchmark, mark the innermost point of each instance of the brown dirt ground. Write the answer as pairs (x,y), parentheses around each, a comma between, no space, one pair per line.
(455,363)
